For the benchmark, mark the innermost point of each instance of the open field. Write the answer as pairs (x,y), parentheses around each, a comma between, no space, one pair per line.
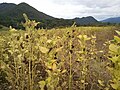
(74,58)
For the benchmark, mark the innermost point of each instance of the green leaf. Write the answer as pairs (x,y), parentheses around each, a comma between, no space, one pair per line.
(113,48)
(107,88)
(42,84)
(48,80)
(117,38)
(59,49)
(2,65)
(119,64)
(54,66)
(59,88)
(43,49)
(118,32)
(49,41)
(93,37)
(82,81)
(114,59)
(25,16)
(13,30)
(101,82)
(84,37)
(63,71)
(115,86)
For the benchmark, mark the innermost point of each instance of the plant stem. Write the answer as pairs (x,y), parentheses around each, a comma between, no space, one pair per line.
(70,74)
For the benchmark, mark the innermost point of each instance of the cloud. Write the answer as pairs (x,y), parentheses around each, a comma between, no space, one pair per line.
(100,9)
(88,3)
(97,8)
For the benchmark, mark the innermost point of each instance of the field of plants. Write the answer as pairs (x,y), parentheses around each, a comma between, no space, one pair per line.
(71,58)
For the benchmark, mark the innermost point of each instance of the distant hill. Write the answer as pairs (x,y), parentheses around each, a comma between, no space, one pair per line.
(112,20)
(14,11)
(4,7)
(12,15)
(86,20)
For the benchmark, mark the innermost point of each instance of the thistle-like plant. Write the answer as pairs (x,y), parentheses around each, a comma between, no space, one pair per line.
(114,50)
(21,52)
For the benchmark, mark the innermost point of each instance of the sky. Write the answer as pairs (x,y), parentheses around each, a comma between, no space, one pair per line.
(68,9)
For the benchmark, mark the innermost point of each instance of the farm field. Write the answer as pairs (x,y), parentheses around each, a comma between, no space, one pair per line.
(71,58)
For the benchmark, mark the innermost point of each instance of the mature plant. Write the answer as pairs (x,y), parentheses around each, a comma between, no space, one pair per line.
(38,59)
(22,55)
(114,50)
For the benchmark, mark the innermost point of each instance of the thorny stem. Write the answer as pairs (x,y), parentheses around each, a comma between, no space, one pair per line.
(16,68)
(32,66)
(30,86)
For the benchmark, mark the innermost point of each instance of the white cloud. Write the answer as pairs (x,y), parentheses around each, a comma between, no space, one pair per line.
(100,9)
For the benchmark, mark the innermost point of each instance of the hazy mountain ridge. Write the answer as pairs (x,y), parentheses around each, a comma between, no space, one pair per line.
(5,7)
(112,20)
(12,14)
(85,20)
(13,11)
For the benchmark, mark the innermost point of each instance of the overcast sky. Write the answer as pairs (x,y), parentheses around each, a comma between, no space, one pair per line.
(67,9)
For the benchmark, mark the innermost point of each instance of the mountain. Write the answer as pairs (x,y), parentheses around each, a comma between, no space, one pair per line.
(12,15)
(6,7)
(86,20)
(11,10)
(112,20)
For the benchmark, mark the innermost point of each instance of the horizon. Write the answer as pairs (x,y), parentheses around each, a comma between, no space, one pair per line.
(70,9)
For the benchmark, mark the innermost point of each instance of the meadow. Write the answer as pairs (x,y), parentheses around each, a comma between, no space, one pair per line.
(71,58)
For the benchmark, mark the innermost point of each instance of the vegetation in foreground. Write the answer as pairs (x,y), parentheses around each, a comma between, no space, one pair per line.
(74,58)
